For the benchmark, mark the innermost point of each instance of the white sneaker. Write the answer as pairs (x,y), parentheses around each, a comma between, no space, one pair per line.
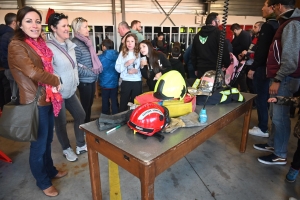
(80,150)
(70,155)
(257,132)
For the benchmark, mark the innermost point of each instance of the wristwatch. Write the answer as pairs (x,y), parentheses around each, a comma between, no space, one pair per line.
(277,81)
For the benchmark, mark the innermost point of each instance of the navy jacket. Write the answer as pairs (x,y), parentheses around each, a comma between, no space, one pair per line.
(6,33)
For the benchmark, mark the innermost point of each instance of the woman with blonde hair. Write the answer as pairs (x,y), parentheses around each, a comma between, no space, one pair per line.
(89,66)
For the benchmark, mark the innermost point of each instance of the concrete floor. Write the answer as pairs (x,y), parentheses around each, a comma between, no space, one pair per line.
(214,170)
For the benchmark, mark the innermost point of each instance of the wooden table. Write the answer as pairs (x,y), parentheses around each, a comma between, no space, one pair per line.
(147,158)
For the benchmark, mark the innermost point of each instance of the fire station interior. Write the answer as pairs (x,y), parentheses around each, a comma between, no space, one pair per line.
(215,170)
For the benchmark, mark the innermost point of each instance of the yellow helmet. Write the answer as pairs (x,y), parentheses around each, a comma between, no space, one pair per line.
(170,85)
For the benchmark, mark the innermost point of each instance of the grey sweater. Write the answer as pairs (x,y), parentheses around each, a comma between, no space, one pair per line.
(63,67)
(85,65)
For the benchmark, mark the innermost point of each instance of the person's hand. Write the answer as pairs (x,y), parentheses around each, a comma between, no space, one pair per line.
(244,52)
(272,100)
(132,71)
(157,76)
(56,89)
(274,88)
(250,74)
(129,62)
(144,62)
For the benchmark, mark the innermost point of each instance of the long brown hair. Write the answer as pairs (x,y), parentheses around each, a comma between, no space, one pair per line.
(136,49)
(152,56)
(19,33)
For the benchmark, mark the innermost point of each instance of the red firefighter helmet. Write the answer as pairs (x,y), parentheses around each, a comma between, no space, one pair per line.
(149,119)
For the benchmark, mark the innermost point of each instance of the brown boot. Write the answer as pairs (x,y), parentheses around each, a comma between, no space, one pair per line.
(51,191)
(61,174)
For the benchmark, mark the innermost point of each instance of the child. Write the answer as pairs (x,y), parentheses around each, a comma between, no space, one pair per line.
(175,62)
(128,65)
(295,165)
(155,64)
(109,78)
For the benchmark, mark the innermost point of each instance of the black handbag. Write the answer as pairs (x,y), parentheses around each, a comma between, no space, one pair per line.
(20,122)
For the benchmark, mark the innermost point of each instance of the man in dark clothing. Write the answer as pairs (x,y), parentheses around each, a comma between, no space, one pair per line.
(205,48)
(6,79)
(123,30)
(160,44)
(283,69)
(241,41)
(175,61)
(257,71)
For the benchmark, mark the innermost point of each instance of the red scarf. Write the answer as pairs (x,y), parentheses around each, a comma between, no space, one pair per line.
(46,55)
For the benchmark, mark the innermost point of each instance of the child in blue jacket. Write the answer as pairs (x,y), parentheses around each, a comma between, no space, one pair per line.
(109,78)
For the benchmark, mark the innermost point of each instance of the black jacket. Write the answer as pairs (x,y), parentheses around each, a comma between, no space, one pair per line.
(241,43)
(164,48)
(178,66)
(165,67)
(264,41)
(6,33)
(204,55)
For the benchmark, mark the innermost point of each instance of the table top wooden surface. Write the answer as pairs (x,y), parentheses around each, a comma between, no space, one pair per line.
(148,149)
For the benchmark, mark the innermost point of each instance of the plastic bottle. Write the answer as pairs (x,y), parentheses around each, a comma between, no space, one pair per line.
(203,116)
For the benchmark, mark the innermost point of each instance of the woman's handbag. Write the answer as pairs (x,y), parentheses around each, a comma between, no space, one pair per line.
(20,122)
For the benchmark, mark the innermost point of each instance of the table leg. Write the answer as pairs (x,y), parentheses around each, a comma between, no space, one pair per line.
(94,167)
(147,182)
(246,128)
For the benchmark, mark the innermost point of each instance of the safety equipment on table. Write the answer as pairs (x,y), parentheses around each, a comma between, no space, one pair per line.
(170,85)
(222,95)
(149,119)
(176,107)
(106,122)
(207,82)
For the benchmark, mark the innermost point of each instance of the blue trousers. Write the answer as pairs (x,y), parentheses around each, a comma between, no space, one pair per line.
(109,100)
(281,123)
(40,160)
(261,88)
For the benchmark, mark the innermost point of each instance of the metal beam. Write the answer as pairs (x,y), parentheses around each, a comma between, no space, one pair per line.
(123,10)
(21,3)
(170,11)
(114,22)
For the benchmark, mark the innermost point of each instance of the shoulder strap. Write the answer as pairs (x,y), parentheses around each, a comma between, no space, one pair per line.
(63,51)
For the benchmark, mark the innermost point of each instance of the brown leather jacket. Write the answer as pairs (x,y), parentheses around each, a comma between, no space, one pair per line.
(27,69)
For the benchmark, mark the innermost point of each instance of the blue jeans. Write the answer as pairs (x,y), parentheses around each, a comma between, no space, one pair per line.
(40,160)
(112,95)
(281,123)
(73,105)
(261,88)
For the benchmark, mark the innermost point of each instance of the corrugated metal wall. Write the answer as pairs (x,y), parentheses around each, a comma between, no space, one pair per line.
(236,7)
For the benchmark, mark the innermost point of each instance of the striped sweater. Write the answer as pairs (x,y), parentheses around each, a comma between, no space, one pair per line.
(85,65)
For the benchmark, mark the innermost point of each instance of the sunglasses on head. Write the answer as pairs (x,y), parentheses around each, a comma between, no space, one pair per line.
(58,16)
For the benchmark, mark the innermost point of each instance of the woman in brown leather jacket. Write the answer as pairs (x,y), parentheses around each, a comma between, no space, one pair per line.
(30,64)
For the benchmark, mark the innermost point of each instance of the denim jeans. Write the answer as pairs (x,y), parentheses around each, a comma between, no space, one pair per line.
(112,95)
(40,160)
(87,93)
(261,88)
(281,123)
(73,105)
